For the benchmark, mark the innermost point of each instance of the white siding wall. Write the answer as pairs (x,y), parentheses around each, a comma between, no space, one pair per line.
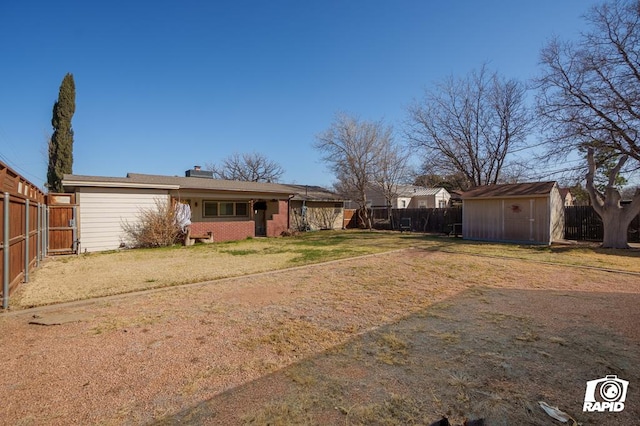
(103,210)
(444,196)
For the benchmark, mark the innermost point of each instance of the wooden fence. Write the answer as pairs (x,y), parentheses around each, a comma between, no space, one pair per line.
(422,220)
(582,223)
(22,234)
(62,213)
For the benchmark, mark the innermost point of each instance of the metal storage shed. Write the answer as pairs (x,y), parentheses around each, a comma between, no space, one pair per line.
(531,213)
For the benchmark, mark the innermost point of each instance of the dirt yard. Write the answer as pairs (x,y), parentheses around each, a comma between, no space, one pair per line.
(396,338)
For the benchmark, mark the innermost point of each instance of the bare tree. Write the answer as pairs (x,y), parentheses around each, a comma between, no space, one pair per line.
(248,167)
(390,171)
(352,148)
(589,97)
(471,126)
(452,182)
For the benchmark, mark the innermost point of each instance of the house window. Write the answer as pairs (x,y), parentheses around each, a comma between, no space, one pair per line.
(442,204)
(242,209)
(404,204)
(210,209)
(225,209)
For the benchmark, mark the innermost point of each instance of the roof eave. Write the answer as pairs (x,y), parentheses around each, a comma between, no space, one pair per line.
(103,184)
(499,197)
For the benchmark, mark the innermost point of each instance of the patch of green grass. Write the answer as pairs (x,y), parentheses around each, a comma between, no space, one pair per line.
(317,255)
(318,241)
(240,252)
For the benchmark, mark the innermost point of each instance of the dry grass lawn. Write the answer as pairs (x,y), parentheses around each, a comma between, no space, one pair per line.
(393,339)
(64,279)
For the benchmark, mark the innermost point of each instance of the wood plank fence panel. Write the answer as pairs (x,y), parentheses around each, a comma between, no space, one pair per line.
(582,223)
(61,229)
(21,232)
(349,220)
(432,220)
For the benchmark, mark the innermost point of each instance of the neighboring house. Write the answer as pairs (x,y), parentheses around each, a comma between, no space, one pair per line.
(525,212)
(230,210)
(411,197)
(313,208)
(567,197)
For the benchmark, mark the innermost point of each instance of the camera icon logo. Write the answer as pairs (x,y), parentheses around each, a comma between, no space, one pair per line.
(605,394)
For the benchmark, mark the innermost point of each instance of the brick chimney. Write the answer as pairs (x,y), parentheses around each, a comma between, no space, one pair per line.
(198,172)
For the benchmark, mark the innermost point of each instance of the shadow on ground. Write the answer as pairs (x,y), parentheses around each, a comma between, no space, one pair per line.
(490,353)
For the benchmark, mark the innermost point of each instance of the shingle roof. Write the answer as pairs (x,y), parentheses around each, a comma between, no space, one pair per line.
(314,193)
(176,182)
(139,180)
(510,190)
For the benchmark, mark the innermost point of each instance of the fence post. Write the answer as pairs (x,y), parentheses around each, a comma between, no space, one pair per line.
(38,235)
(27,213)
(5,252)
(74,232)
(46,233)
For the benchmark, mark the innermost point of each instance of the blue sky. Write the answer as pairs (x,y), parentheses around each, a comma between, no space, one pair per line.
(162,86)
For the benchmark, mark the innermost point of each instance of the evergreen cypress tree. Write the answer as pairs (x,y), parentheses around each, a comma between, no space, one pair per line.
(61,144)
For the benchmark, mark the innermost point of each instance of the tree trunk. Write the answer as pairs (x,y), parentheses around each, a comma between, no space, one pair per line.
(365,219)
(615,226)
(615,216)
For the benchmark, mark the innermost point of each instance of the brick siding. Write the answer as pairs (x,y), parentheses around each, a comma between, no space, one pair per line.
(225,231)
(278,222)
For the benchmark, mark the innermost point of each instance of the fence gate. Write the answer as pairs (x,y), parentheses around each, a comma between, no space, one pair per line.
(63,224)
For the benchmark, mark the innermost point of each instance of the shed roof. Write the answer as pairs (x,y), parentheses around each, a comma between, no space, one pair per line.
(530,189)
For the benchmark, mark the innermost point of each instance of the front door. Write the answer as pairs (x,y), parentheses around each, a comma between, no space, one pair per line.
(260,218)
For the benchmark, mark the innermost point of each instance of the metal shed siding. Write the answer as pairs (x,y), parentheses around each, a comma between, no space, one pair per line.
(508,219)
(103,210)
(482,220)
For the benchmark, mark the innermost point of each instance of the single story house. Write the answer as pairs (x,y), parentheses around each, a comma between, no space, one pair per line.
(411,197)
(314,208)
(531,213)
(230,210)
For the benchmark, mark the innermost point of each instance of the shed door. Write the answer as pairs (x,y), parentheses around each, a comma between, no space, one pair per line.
(519,220)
